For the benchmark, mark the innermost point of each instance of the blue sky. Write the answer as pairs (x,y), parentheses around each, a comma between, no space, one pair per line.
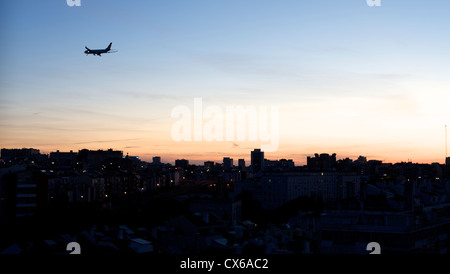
(353,79)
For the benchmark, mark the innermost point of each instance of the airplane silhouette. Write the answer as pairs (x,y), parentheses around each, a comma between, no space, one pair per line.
(99,51)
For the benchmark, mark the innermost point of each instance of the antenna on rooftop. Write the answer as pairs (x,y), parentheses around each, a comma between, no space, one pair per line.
(445,141)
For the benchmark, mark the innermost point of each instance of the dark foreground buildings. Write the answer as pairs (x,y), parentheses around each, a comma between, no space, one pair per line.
(116,204)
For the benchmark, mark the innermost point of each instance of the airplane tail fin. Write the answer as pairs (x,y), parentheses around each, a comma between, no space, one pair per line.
(109,47)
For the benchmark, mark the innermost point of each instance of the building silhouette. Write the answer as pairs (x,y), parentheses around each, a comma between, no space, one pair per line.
(24,193)
(93,159)
(183,163)
(275,188)
(227,163)
(156,160)
(18,154)
(322,162)
(63,158)
(241,164)
(257,161)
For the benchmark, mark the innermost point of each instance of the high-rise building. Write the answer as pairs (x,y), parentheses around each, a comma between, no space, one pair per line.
(241,164)
(447,161)
(257,160)
(227,163)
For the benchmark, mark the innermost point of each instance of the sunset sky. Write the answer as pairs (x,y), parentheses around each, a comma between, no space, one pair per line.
(347,78)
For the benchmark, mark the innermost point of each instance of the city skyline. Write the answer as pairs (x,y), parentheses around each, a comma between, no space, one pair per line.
(234,161)
(106,202)
(347,78)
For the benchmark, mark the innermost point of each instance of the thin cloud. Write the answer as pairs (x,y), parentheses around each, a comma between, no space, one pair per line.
(150,96)
(107,141)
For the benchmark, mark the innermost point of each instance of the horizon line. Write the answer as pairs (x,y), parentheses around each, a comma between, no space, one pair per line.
(44,152)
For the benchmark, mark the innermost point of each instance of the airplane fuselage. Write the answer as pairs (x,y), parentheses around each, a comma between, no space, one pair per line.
(97,51)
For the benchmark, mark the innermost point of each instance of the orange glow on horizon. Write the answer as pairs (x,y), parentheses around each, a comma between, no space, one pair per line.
(198,153)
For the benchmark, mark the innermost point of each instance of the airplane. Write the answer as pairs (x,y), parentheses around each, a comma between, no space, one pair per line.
(99,51)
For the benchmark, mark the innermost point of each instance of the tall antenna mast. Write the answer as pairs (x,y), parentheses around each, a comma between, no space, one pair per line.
(445,142)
